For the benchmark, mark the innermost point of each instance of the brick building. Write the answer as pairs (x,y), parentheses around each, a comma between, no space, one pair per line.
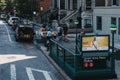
(44,9)
(44,5)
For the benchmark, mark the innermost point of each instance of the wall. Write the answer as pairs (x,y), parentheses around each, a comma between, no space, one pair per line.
(46,4)
(106,14)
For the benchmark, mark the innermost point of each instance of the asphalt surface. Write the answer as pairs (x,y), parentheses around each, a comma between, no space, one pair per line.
(23,60)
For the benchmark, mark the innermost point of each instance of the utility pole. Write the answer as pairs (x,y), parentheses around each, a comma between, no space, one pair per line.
(58,10)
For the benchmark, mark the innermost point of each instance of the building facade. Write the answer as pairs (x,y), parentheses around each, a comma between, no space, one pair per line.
(44,10)
(104,14)
(95,14)
(69,10)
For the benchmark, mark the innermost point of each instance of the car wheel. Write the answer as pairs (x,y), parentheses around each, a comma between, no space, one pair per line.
(17,39)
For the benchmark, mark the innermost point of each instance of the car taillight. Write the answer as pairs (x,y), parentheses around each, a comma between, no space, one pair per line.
(88,64)
(91,64)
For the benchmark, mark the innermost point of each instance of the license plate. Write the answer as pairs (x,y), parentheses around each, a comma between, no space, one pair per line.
(26,36)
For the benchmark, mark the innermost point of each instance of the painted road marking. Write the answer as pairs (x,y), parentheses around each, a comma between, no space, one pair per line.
(13,72)
(31,77)
(46,74)
(8,34)
(30,74)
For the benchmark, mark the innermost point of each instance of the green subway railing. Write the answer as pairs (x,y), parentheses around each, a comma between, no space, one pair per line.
(64,56)
(73,62)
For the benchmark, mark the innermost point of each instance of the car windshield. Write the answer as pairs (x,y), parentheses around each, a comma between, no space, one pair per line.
(15,19)
(26,30)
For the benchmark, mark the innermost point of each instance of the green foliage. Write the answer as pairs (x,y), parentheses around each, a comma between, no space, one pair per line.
(22,7)
(27,7)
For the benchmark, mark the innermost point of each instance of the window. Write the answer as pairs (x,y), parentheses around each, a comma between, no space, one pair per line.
(113,20)
(88,23)
(55,3)
(114,2)
(62,4)
(68,4)
(119,26)
(99,2)
(88,4)
(74,4)
(99,23)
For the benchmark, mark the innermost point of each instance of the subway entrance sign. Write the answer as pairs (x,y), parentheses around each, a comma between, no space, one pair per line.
(95,51)
(96,56)
(76,22)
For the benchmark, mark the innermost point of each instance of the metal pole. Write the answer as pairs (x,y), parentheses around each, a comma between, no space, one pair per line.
(76,41)
(113,57)
(75,59)
(59,10)
(112,41)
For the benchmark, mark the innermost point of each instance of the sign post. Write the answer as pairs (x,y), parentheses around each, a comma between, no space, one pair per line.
(113,29)
(76,22)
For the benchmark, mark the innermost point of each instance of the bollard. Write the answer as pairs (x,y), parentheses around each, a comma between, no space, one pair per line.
(117,54)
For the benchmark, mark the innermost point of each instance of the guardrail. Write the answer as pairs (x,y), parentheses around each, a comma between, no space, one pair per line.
(67,59)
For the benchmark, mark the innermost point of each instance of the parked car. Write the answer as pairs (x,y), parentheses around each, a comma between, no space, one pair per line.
(15,24)
(3,16)
(24,32)
(13,19)
(42,34)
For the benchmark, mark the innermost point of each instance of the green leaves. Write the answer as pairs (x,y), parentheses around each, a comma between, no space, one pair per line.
(22,7)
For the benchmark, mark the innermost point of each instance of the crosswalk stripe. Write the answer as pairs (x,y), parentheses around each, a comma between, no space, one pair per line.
(13,72)
(30,74)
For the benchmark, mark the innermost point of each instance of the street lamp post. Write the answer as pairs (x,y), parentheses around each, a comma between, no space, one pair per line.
(75,57)
(59,11)
(76,22)
(34,16)
(113,29)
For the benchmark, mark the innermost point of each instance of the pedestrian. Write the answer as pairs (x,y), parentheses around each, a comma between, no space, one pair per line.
(48,36)
(65,31)
(48,27)
(60,32)
(82,32)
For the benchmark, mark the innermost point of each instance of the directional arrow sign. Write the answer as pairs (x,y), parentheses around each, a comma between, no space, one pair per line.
(31,77)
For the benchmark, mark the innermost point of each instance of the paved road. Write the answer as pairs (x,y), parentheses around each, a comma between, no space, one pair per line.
(23,60)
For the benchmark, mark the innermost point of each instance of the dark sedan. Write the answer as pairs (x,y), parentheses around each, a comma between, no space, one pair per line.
(24,32)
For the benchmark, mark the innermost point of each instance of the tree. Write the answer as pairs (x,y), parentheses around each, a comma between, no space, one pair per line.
(27,7)
(22,7)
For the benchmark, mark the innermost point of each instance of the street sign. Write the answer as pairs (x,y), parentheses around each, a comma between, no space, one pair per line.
(113,27)
(76,22)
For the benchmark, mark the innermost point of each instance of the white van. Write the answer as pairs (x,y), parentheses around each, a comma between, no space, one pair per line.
(12,19)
